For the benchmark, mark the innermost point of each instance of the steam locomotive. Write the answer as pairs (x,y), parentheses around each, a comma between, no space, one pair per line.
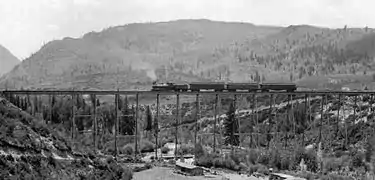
(220,87)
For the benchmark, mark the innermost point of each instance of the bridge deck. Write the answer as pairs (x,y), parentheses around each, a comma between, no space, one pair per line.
(181,93)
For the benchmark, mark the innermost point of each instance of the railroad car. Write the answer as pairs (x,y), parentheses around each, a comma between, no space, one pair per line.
(221,86)
(251,87)
(182,87)
(163,87)
(215,86)
(289,87)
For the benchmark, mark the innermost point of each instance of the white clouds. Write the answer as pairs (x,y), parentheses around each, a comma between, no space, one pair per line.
(26,24)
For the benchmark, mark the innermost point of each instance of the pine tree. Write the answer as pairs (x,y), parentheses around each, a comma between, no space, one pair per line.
(35,103)
(127,121)
(54,116)
(97,103)
(120,103)
(230,127)
(156,126)
(148,119)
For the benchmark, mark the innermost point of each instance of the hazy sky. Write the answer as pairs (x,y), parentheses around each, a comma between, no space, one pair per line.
(26,24)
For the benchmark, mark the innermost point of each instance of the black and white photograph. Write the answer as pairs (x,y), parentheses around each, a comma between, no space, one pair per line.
(187,89)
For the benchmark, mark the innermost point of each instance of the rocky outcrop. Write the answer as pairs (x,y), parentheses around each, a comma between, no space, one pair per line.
(31,150)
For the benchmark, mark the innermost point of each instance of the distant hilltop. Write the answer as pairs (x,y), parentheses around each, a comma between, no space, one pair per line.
(132,56)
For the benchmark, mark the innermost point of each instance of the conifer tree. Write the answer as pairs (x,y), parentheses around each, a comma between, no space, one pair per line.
(231,128)
(127,121)
(148,119)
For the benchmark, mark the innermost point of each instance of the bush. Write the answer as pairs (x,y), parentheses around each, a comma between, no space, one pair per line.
(253,156)
(186,149)
(165,150)
(147,146)
(274,160)
(339,153)
(199,151)
(335,177)
(218,162)
(255,167)
(214,160)
(309,158)
(286,163)
(205,161)
(335,164)
(307,175)
(263,170)
(230,163)
(127,149)
(357,160)
(264,158)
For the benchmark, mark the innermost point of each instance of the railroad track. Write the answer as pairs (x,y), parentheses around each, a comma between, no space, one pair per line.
(42,92)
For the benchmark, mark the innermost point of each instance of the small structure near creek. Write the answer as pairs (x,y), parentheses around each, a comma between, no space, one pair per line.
(188,170)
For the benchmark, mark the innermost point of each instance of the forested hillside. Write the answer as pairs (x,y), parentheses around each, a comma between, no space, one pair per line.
(133,55)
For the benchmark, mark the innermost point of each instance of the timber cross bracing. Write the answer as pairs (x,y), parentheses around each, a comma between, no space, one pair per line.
(255,108)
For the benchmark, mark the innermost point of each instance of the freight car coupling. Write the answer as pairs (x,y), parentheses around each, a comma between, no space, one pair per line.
(228,87)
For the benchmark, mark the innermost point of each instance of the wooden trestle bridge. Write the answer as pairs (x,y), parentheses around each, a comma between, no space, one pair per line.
(306,95)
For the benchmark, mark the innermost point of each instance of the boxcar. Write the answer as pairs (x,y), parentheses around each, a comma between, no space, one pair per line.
(181,87)
(242,86)
(289,87)
(215,86)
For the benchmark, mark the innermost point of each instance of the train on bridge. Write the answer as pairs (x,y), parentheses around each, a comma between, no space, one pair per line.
(221,86)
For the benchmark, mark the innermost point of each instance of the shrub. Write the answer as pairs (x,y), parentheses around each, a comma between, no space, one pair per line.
(307,175)
(335,177)
(255,167)
(335,164)
(274,159)
(148,165)
(357,160)
(186,149)
(286,163)
(309,158)
(205,161)
(331,164)
(230,163)
(253,156)
(199,151)
(147,146)
(264,158)
(172,162)
(235,157)
(127,149)
(218,162)
(263,170)
(164,150)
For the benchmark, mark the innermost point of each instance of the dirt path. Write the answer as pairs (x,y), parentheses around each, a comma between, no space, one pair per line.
(162,173)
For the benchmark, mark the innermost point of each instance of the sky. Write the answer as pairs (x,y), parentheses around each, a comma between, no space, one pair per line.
(25,25)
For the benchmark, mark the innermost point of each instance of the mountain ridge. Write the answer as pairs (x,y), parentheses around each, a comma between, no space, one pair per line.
(133,55)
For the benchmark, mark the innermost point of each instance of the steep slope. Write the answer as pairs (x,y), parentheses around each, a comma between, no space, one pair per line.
(136,52)
(302,51)
(134,55)
(31,150)
(7,60)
